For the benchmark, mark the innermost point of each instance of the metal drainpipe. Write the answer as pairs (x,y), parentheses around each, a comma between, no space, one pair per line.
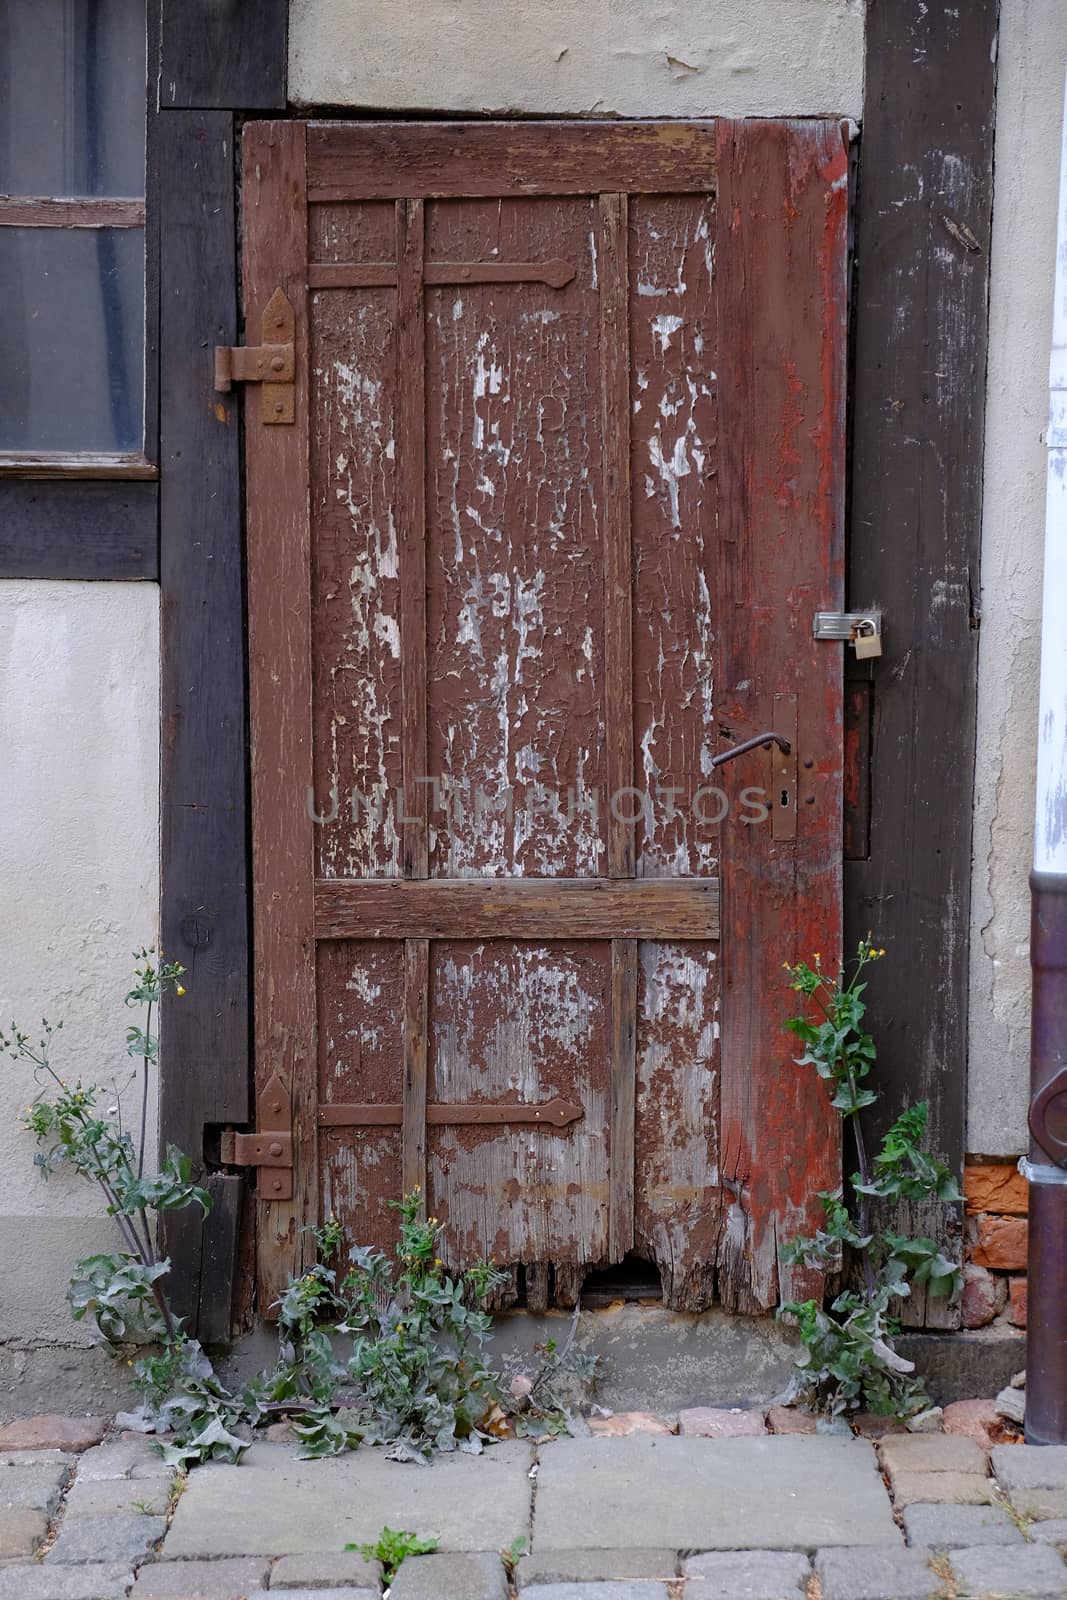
(1046,1169)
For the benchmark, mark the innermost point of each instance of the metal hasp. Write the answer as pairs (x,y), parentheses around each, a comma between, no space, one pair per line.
(861,629)
(270,1147)
(1046,1334)
(271,364)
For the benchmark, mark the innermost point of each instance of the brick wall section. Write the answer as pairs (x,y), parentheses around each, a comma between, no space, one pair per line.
(995,1239)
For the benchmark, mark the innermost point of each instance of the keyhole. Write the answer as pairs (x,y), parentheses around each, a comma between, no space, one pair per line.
(785,797)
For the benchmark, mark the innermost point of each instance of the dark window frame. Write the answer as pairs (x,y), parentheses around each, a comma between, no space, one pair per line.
(85,515)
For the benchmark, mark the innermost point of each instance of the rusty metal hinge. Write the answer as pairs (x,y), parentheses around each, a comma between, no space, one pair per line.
(271,364)
(270,1147)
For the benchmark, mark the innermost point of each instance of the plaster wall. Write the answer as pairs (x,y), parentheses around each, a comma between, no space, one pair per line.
(1032,58)
(674,58)
(79,846)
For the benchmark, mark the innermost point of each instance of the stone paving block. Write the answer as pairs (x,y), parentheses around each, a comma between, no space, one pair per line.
(623,1423)
(36,1458)
(747,1575)
(708,1494)
(470,1576)
(597,1591)
(1035,1570)
(335,1569)
(20,1533)
(711,1422)
(942,1488)
(1040,1504)
(201,1580)
(1054,1531)
(118,1538)
(932,1452)
(1031,1466)
(596,1566)
(105,1497)
(293,1506)
(53,1433)
(309,1594)
(952,1527)
(32,1581)
(31,1488)
(129,1458)
(877,1575)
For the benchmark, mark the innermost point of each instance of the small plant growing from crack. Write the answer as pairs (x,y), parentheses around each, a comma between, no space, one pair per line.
(417,1379)
(392,1548)
(849,1359)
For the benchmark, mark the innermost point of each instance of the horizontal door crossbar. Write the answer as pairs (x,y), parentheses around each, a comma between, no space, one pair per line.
(518,908)
(383,274)
(550,1113)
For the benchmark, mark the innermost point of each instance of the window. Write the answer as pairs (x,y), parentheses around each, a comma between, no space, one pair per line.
(72,237)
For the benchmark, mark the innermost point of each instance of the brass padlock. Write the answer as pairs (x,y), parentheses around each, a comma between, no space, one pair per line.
(866,639)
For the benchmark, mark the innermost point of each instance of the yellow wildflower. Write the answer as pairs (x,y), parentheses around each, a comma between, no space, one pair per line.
(179,990)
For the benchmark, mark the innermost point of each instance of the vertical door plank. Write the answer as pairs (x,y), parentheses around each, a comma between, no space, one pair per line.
(925,194)
(780,270)
(623,1086)
(206,1055)
(411,508)
(618,694)
(416,1017)
(618,637)
(279,564)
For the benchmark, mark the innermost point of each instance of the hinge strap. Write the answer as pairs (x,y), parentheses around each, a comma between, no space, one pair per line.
(271,364)
(270,1147)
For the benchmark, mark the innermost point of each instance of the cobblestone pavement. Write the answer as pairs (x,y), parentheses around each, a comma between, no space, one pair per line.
(720,1509)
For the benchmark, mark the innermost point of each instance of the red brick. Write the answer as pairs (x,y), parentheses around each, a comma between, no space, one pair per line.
(978,1301)
(1000,1188)
(53,1433)
(978,1419)
(714,1422)
(622,1423)
(1017,1302)
(790,1419)
(1001,1243)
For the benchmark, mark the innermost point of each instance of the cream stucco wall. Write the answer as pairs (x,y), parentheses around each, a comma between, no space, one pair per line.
(79,845)
(673,58)
(1033,54)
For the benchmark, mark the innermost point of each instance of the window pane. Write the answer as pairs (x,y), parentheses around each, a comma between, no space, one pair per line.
(72,97)
(72,339)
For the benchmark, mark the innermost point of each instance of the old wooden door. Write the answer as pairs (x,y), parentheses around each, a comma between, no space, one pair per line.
(538,520)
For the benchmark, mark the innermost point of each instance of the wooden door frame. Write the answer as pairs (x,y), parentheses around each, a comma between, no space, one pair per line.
(921,63)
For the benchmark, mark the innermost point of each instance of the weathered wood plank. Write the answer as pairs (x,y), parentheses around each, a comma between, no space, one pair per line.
(922,272)
(411,519)
(783,205)
(52,529)
(275,256)
(416,1023)
(618,605)
(28,211)
(224,53)
(623,1094)
(383,274)
(395,160)
(205,1074)
(518,908)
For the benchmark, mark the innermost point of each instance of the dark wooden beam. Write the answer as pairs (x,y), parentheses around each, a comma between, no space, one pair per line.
(205,923)
(224,54)
(925,191)
(53,528)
